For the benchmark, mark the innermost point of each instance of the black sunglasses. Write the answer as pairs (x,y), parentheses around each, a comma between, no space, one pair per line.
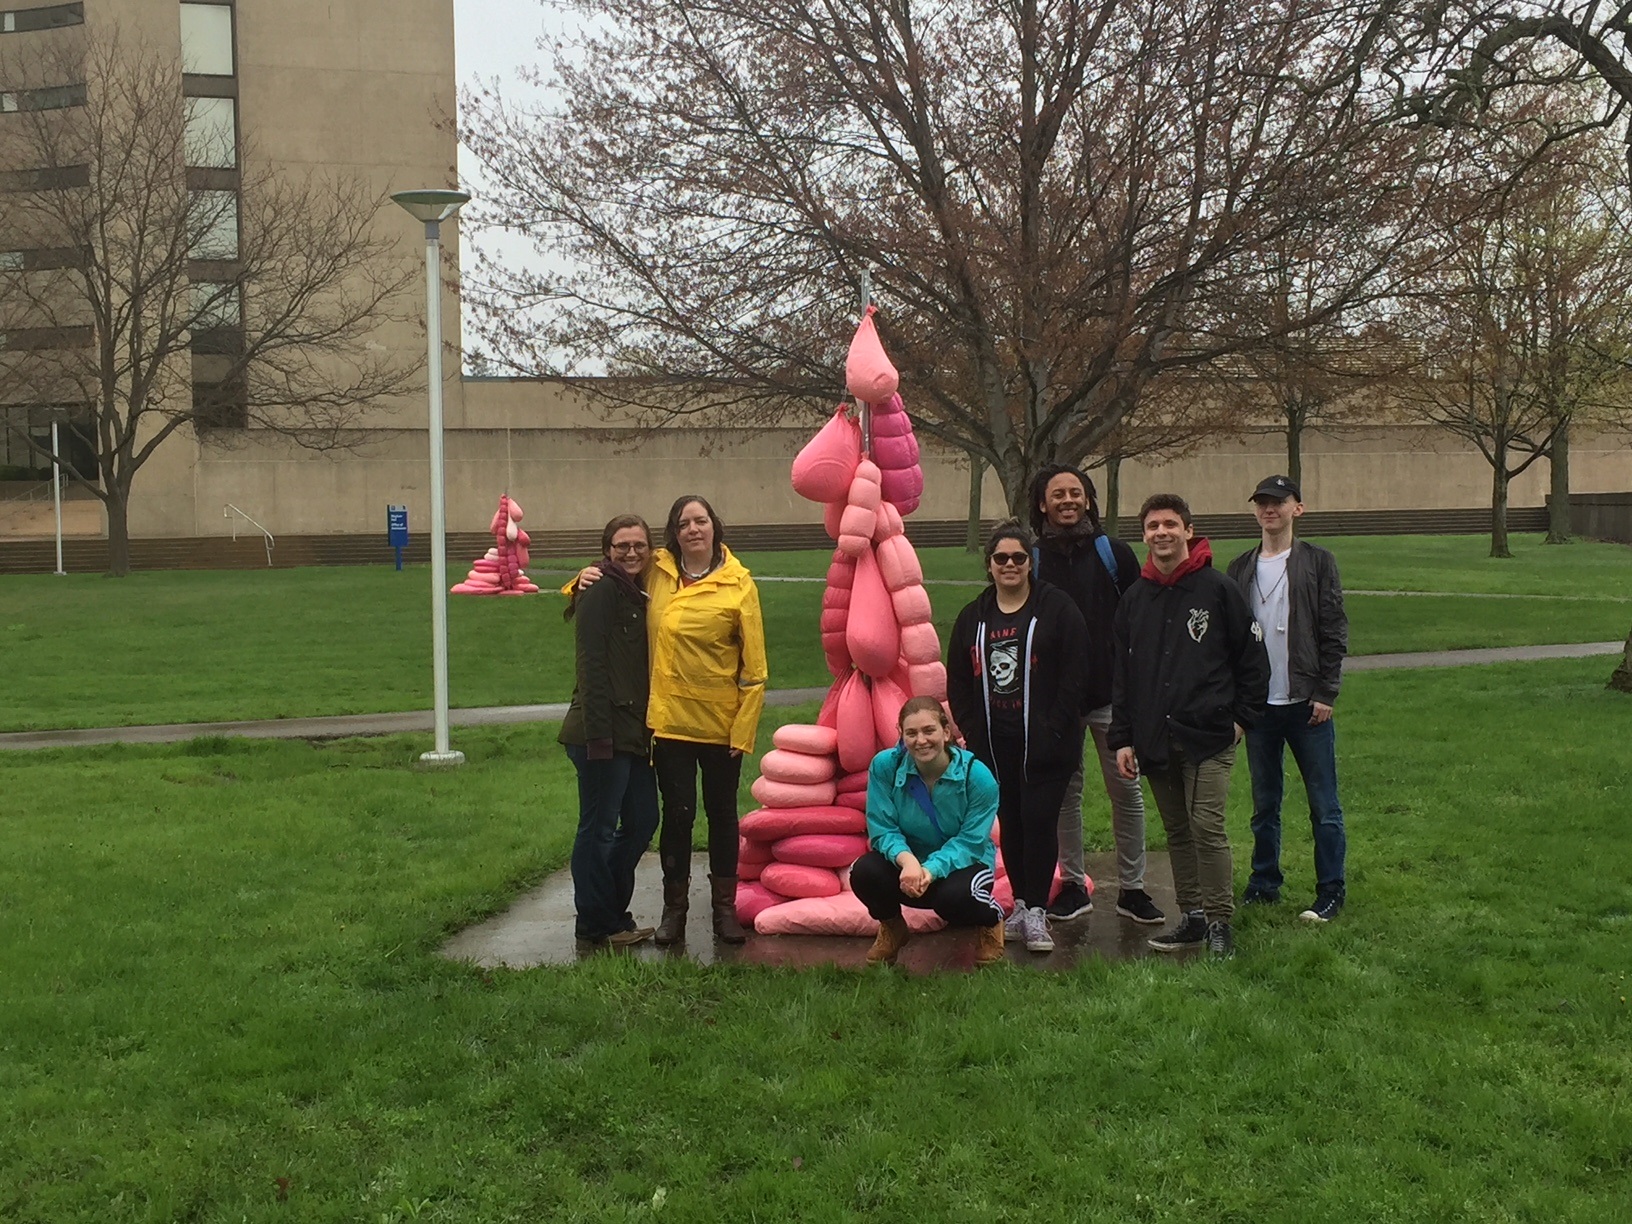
(1003,558)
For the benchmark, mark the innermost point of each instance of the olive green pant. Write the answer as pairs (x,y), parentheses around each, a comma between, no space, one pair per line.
(1191,797)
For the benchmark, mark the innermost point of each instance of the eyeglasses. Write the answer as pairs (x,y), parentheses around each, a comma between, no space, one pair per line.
(1010,558)
(637,546)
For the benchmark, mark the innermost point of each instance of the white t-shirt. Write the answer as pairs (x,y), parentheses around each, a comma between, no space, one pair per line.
(1272,607)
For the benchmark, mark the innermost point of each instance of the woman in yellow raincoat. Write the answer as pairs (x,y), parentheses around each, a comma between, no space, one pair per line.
(708,689)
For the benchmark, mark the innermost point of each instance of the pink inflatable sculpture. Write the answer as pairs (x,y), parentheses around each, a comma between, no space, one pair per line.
(502,570)
(881,648)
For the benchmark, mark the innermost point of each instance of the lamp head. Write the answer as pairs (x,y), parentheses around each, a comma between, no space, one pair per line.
(432,206)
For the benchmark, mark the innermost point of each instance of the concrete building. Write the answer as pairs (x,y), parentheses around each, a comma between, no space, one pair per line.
(367,89)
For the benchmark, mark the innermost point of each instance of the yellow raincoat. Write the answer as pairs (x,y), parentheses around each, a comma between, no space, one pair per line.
(708,654)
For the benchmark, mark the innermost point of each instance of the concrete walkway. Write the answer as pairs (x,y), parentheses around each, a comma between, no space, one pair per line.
(346,725)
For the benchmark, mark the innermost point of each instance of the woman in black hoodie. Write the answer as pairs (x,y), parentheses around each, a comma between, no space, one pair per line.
(1014,677)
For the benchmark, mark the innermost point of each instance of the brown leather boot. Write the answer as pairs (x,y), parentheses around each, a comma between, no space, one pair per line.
(893,935)
(989,944)
(726,926)
(671,927)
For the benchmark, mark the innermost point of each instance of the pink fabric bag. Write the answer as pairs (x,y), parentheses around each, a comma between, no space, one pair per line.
(835,850)
(855,724)
(769,825)
(791,794)
(794,880)
(912,606)
(800,768)
(823,469)
(871,632)
(868,374)
(753,900)
(802,737)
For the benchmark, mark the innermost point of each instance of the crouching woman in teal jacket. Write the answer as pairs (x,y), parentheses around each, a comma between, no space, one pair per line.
(930,808)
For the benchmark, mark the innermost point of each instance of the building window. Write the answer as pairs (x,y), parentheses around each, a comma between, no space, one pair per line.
(206,40)
(57,97)
(54,178)
(215,225)
(220,405)
(20,422)
(212,133)
(50,17)
(41,259)
(218,319)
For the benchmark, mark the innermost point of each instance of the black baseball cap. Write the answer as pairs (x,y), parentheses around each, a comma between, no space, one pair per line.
(1278,487)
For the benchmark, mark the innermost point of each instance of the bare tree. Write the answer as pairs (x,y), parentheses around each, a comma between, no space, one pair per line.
(1461,53)
(1059,200)
(1328,373)
(1522,324)
(145,303)
(1177,414)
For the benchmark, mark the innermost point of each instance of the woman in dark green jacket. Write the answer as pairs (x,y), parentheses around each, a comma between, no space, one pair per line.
(606,737)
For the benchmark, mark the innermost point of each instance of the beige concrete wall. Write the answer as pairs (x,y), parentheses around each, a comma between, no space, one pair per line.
(571,469)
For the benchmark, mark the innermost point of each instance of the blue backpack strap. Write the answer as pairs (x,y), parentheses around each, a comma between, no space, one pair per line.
(920,792)
(1102,544)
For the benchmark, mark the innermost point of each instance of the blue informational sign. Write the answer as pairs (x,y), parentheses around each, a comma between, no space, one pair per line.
(396,529)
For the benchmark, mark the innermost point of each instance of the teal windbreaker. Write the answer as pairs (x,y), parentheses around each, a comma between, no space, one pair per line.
(965,800)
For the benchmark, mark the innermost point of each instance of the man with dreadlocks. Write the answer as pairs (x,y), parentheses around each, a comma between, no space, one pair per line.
(1075,554)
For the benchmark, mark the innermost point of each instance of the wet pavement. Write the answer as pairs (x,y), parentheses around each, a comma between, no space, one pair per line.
(537,930)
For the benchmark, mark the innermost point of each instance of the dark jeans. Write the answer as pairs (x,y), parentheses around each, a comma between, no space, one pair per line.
(617,815)
(1315,751)
(677,763)
(963,898)
(1028,821)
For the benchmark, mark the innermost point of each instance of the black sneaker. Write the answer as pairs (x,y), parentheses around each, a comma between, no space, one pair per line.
(1220,939)
(1073,902)
(1135,903)
(1323,910)
(1190,933)
(1259,896)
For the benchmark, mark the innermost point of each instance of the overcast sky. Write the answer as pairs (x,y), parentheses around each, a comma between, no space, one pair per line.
(493,38)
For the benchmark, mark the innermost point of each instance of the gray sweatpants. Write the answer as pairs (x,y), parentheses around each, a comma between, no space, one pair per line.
(1127,814)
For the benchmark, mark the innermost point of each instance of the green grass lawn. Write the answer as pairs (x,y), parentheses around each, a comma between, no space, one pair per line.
(219,972)
(202,646)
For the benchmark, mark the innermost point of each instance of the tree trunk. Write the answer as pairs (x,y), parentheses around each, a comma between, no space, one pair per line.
(118,532)
(977,478)
(1621,679)
(1294,451)
(1558,504)
(1498,508)
(1113,495)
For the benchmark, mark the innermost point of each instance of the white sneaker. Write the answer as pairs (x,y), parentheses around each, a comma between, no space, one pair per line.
(1014,926)
(1036,931)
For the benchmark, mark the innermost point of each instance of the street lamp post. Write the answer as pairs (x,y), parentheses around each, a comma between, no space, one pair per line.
(433,208)
(56,491)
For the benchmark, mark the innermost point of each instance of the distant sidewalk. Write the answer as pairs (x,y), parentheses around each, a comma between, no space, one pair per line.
(343,726)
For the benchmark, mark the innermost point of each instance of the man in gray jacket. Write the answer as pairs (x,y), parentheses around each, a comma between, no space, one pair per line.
(1297,598)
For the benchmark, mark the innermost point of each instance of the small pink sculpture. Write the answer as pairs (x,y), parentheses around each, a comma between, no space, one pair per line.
(502,570)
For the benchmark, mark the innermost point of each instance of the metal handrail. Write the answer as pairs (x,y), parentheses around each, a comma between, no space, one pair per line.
(228,510)
(32,495)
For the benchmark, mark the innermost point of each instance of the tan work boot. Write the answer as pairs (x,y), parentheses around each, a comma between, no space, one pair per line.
(989,944)
(893,935)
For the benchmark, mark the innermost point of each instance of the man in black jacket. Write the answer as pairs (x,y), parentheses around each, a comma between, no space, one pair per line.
(1297,597)
(1191,676)
(1075,554)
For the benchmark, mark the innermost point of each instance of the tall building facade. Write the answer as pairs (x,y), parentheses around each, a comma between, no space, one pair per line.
(307,89)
